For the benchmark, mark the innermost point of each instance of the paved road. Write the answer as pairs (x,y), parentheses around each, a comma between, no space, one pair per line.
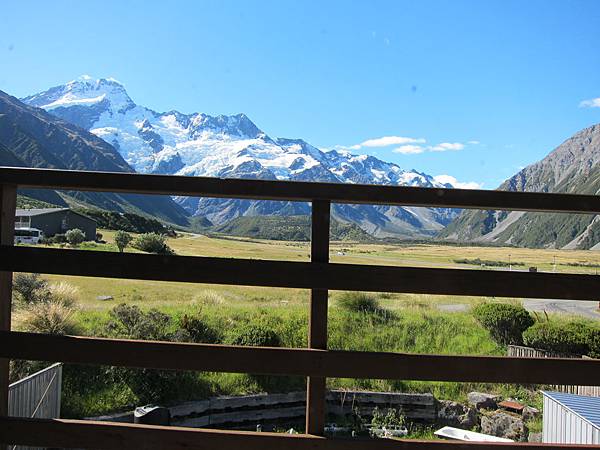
(587,309)
(573,307)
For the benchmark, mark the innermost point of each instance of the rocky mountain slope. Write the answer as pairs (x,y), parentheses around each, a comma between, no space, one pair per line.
(198,144)
(33,138)
(573,167)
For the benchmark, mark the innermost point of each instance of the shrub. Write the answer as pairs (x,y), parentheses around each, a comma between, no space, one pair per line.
(29,286)
(504,321)
(563,338)
(122,239)
(594,343)
(198,330)
(75,236)
(49,317)
(360,302)
(392,418)
(129,321)
(149,385)
(257,334)
(152,243)
(59,239)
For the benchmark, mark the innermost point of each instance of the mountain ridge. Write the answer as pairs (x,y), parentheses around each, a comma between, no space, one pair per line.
(199,144)
(31,137)
(572,167)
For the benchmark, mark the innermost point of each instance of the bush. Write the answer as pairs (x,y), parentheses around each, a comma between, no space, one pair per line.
(75,236)
(152,243)
(359,302)
(122,239)
(127,321)
(29,287)
(392,418)
(594,343)
(49,317)
(505,322)
(148,385)
(59,239)
(564,338)
(257,334)
(198,331)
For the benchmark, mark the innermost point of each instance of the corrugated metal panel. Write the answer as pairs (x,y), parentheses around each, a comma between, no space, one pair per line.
(37,396)
(563,425)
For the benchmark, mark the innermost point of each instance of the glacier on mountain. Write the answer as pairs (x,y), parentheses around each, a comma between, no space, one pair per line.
(198,144)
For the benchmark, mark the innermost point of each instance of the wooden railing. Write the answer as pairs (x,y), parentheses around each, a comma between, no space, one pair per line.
(316,362)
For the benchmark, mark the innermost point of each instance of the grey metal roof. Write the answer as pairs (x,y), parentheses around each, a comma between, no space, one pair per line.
(586,407)
(38,211)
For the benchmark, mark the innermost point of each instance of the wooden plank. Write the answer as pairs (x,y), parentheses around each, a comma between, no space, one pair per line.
(317,324)
(302,362)
(333,276)
(298,191)
(8,200)
(95,435)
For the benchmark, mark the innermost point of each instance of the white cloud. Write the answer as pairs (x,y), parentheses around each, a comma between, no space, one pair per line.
(457,184)
(409,149)
(407,145)
(445,146)
(386,141)
(591,103)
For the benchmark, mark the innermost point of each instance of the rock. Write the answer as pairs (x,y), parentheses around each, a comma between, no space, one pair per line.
(535,437)
(504,425)
(530,413)
(481,400)
(456,414)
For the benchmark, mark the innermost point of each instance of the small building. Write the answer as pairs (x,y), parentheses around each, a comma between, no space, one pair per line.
(571,419)
(55,221)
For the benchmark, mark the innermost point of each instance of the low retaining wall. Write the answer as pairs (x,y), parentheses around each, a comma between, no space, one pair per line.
(247,411)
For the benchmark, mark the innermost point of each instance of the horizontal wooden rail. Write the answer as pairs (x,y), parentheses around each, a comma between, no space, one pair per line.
(291,361)
(297,191)
(103,435)
(333,276)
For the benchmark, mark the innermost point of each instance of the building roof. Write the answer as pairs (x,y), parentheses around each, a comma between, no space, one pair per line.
(586,407)
(38,211)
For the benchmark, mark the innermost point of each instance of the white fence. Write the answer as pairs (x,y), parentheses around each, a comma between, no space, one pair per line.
(37,395)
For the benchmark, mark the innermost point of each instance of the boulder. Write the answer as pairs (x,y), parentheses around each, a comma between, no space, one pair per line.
(456,414)
(530,413)
(504,425)
(481,400)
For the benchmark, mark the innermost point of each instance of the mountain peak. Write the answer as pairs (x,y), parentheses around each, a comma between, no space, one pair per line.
(84,91)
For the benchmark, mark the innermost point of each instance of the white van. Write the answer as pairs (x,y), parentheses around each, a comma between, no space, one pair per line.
(28,235)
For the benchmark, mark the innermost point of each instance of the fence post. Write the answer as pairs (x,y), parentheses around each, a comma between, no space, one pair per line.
(8,204)
(317,325)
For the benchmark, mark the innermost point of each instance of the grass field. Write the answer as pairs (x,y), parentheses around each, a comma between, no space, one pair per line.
(416,324)
(175,295)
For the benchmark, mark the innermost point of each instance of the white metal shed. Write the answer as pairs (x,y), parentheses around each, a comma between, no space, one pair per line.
(571,419)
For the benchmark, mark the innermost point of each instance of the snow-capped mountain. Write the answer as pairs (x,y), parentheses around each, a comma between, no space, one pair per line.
(198,144)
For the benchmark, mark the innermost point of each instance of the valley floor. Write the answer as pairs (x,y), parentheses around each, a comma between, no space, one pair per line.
(411,323)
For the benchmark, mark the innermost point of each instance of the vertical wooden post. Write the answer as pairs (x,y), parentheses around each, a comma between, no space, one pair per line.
(8,201)
(317,325)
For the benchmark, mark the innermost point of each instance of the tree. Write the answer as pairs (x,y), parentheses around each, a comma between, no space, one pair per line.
(75,236)
(122,239)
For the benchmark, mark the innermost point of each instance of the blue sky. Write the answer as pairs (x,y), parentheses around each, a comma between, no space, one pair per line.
(472,89)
